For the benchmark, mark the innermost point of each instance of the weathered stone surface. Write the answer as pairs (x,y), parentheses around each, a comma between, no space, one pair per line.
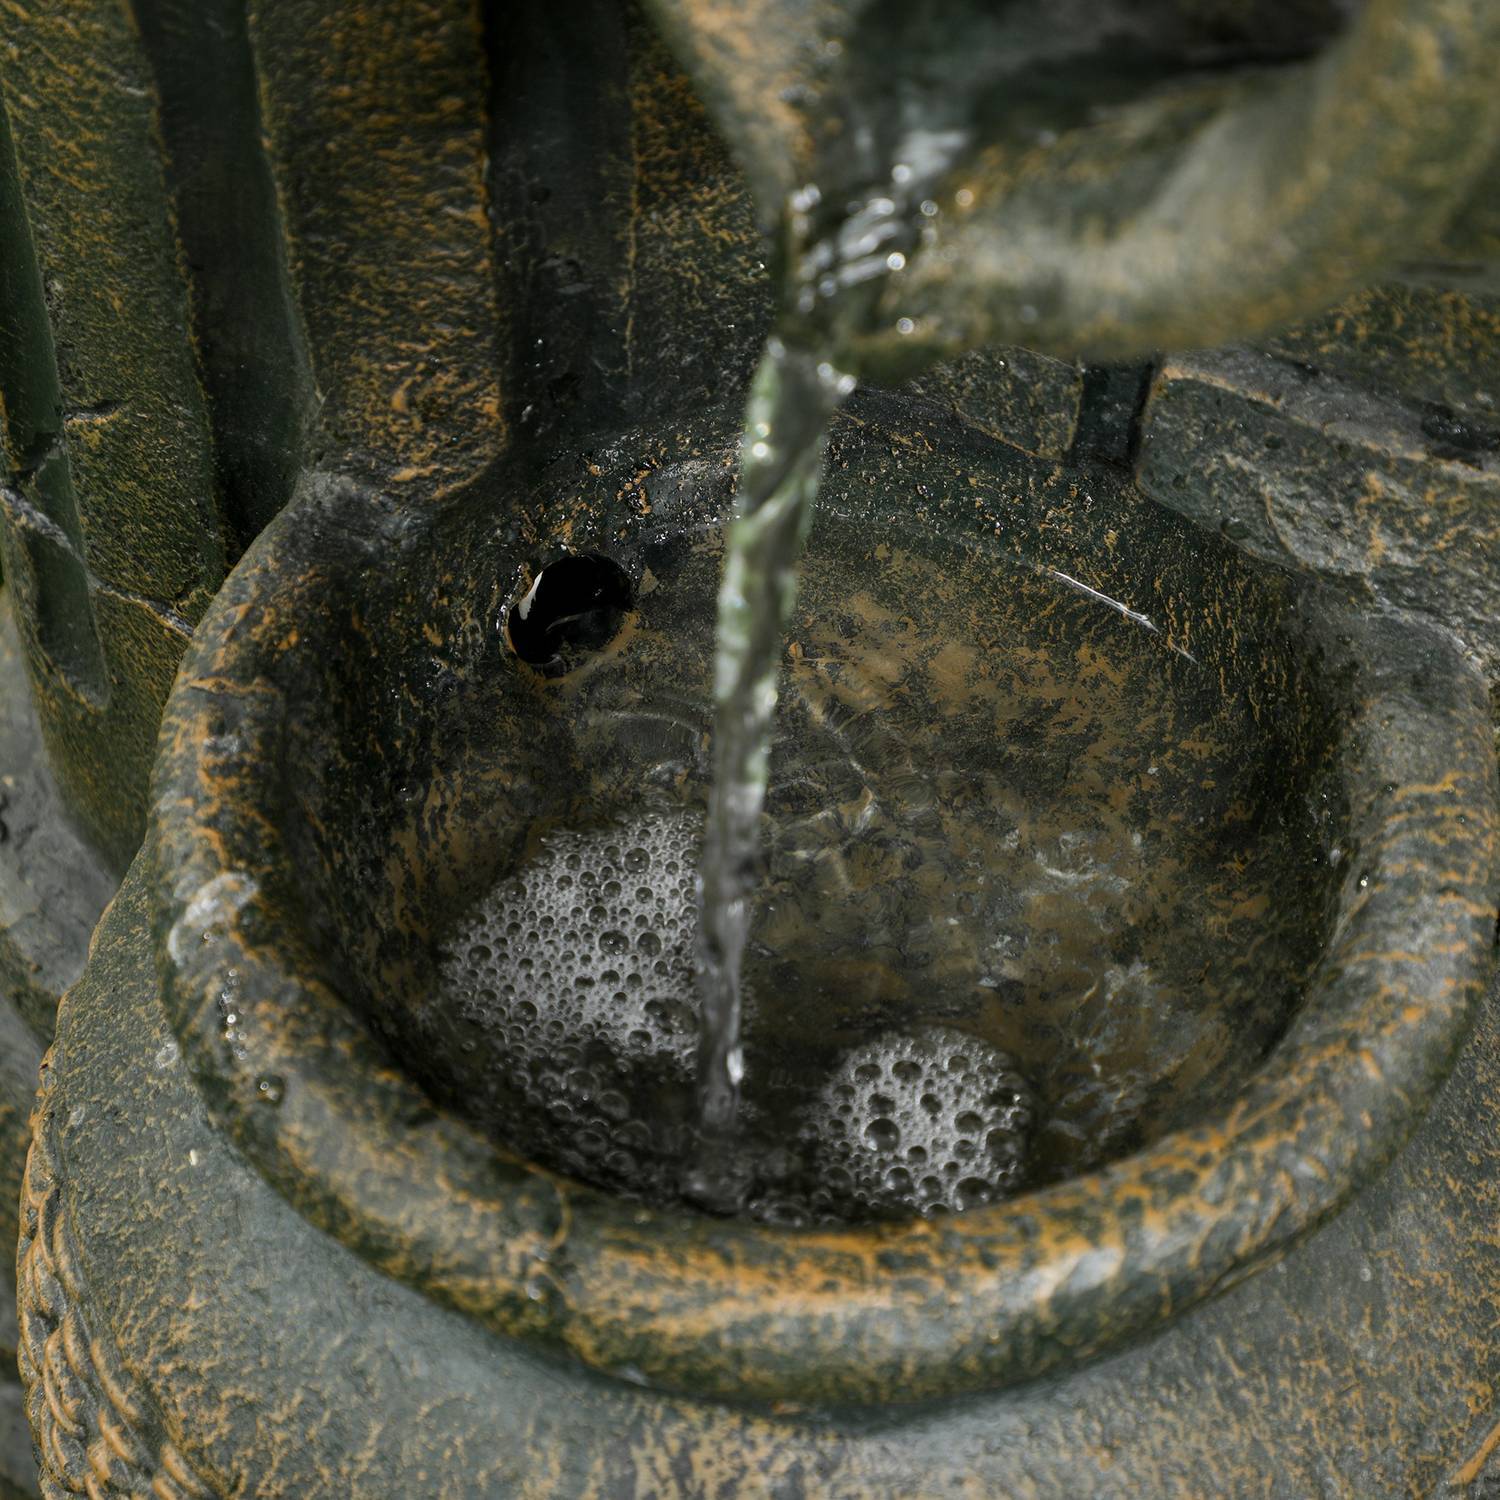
(1396,500)
(408,156)
(1233,1398)
(1423,342)
(17,1470)
(246,338)
(1362,1365)
(634,280)
(1470,241)
(1028,400)
(52,884)
(112,488)
(52,889)
(374,117)
(78,94)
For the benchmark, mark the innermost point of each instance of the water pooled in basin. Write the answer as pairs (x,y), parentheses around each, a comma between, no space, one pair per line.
(1007,826)
(986,893)
(583,963)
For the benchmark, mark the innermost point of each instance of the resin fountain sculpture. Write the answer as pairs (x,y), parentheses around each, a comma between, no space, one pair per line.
(1098,1088)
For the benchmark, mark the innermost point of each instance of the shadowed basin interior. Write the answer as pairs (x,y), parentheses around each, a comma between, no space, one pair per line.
(1054,826)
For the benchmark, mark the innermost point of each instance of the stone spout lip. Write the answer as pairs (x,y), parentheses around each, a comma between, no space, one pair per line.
(729,1309)
(1253,211)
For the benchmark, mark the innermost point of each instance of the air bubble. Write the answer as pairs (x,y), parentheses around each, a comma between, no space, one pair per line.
(904,1124)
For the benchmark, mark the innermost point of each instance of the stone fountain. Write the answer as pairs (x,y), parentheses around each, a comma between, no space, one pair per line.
(372,377)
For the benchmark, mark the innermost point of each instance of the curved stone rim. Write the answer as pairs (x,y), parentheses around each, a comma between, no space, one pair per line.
(899,1312)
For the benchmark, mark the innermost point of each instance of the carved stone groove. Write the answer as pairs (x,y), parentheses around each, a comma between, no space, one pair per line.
(97,1433)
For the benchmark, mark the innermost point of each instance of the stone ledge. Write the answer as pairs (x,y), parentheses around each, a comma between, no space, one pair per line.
(1397,499)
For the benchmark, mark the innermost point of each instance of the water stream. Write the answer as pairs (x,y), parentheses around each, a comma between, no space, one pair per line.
(836,258)
(794,394)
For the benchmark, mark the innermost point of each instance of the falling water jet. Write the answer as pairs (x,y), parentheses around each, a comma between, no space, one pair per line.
(834,268)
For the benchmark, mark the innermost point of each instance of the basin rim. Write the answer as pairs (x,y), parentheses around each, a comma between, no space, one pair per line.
(862,1315)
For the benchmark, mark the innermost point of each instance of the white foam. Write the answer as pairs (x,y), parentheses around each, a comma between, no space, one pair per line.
(927,1121)
(583,964)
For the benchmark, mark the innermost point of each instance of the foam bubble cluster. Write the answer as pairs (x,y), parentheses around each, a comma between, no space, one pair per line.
(580,967)
(921,1122)
(578,971)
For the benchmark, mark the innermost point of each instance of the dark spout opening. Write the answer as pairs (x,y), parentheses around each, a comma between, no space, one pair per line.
(574,606)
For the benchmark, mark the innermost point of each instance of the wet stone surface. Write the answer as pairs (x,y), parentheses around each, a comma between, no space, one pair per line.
(1363,446)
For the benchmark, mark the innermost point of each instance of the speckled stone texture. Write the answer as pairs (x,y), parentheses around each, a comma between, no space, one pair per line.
(1329,452)
(482,282)
(354,1205)
(1363,1364)
(52,889)
(113,540)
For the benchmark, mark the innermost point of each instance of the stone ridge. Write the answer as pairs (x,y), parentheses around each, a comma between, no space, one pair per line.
(97,1432)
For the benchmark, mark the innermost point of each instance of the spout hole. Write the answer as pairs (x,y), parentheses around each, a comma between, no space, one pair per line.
(575,606)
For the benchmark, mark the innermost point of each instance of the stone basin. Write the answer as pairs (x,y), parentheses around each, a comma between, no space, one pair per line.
(1280,816)
(1201,853)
